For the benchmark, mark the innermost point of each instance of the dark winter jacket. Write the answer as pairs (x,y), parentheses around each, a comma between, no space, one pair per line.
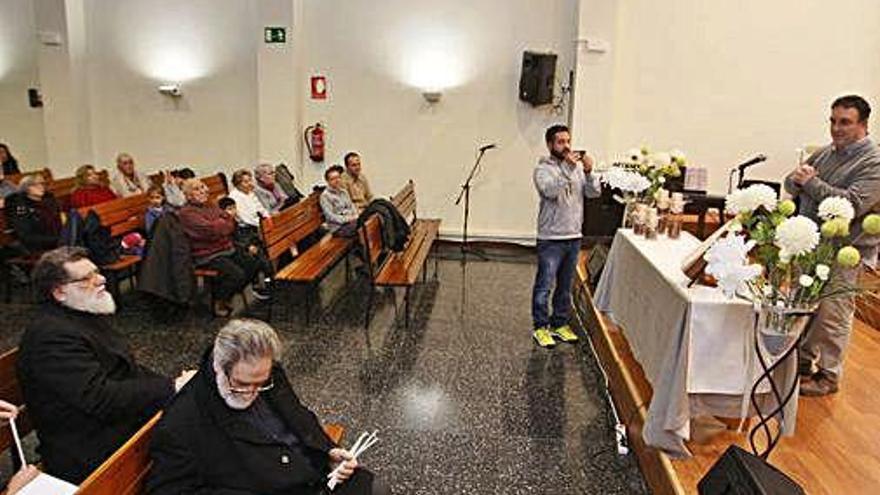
(83,389)
(167,270)
(37,224)
(395,229)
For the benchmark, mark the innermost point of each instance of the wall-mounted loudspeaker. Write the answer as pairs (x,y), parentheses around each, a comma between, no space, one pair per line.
(537,78)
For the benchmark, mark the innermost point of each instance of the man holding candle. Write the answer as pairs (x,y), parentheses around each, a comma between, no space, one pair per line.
(562,180)
(850,168)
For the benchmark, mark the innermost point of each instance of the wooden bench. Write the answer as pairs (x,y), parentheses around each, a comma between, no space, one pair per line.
(399,269)
(63,189)
(125,472)
(10,391)
(284,230)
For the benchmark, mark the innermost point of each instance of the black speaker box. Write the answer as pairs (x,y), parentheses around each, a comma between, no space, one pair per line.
(738,472)
(537,78)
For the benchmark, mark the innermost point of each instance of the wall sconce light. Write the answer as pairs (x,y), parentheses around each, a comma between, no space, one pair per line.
(432,96)
(172,90)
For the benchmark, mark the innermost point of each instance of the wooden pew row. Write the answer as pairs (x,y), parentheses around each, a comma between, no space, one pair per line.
(399,269)
(281,234)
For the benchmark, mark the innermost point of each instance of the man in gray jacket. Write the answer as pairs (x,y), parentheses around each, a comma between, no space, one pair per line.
(562,179)
(849,167)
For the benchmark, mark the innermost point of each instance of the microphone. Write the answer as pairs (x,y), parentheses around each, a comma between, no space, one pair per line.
(488,147)
(754,161)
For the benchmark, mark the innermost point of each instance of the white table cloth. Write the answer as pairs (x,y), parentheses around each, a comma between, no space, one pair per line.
(695,345)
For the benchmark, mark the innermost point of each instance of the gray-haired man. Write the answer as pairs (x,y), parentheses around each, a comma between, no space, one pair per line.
(238,428)
(849,167)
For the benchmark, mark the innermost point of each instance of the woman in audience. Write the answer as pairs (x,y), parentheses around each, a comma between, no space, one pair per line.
(89,188)
(127,181)
(26,473)
(248,207)
(34,215)
(10,164)
(271,195)
(6,188)
(209,230)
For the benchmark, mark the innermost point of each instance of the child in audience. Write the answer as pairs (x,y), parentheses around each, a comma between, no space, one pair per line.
(155,209)
(248,243)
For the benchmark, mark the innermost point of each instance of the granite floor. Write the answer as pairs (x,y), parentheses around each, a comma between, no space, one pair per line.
(463,400)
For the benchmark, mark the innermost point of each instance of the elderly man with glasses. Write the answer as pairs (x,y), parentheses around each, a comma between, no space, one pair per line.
(239,428)
(82,386)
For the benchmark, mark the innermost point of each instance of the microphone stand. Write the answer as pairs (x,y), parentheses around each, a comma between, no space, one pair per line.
(466,194)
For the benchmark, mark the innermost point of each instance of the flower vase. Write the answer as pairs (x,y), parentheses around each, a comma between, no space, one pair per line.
(778,328)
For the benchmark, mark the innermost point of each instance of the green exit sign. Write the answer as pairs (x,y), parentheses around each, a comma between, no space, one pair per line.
(275,35)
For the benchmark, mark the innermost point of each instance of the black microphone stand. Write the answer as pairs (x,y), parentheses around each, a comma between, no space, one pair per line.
(466,194)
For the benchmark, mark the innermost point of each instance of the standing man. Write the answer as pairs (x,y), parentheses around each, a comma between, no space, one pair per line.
(355,182)
(85,392)
(849,167)
(562,179)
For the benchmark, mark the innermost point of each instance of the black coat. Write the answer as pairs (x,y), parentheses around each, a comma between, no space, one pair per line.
(83,389)
(395,229)
(167,271)
(23,215)
(201,446)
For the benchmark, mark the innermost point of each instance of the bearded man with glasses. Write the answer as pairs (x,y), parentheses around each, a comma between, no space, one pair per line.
(239,428)
(82,386)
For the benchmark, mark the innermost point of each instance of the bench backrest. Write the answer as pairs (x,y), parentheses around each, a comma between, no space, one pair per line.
(217,186)
(124,472)
(16,178)
(372,243)
(11,392)
(63,189)
(7,236)
(405,201)
(120,215)
(286,228)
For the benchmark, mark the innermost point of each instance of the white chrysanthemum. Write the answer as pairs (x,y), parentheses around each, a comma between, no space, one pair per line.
(625,180)
(726,261)
(836,207)
(796,236)
(806,280)
(823,271)
(749,199)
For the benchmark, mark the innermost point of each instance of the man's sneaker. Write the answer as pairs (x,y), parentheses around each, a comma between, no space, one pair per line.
(565,334)
(543,338)
(819,385)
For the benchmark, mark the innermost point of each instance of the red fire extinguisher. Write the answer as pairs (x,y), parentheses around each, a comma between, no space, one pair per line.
(314,137)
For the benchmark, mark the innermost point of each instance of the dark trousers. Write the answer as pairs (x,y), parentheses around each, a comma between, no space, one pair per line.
(557,261)
(235,272)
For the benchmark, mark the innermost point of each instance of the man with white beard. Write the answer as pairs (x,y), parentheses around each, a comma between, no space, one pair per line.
(239,429)
(83,388)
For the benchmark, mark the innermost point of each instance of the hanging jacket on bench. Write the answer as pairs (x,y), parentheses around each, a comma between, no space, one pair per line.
(167,270)
(395,229)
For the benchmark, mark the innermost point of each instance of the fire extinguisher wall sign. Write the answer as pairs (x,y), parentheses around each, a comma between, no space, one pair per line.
(314,136)
(319,88)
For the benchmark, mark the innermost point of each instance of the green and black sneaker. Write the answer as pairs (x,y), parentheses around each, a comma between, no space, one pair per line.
(543,337)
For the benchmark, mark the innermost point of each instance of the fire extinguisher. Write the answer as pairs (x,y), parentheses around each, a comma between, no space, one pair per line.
(314,137)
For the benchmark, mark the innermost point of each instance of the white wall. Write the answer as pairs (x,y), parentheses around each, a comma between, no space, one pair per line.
(21,127)
(209,47)
(377,55)
(726,80)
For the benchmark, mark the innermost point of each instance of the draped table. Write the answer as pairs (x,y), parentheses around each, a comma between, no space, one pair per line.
(694,344)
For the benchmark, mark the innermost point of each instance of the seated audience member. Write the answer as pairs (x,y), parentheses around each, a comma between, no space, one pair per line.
(89,189)
(27,473)
(172,181)
(34,215)
(272,196)
(336,204)
(156,207)
(249,209)
(126,180)
(6,188)
(10,164)
(239,428)
(249,245)
(355,182)
(83,388)
(210,230)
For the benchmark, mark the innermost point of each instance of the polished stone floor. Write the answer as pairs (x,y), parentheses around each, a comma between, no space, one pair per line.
(463,400)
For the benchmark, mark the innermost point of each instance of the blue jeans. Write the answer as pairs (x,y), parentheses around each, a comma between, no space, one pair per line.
(557,261)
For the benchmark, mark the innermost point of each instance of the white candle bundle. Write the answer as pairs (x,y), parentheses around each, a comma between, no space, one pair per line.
(365,441)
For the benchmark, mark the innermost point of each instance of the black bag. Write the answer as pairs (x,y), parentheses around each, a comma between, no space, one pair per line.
(288,185)
(103,249)
(738,472)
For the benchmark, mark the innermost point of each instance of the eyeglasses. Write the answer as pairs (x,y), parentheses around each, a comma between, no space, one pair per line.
(89,277)
(249,391)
